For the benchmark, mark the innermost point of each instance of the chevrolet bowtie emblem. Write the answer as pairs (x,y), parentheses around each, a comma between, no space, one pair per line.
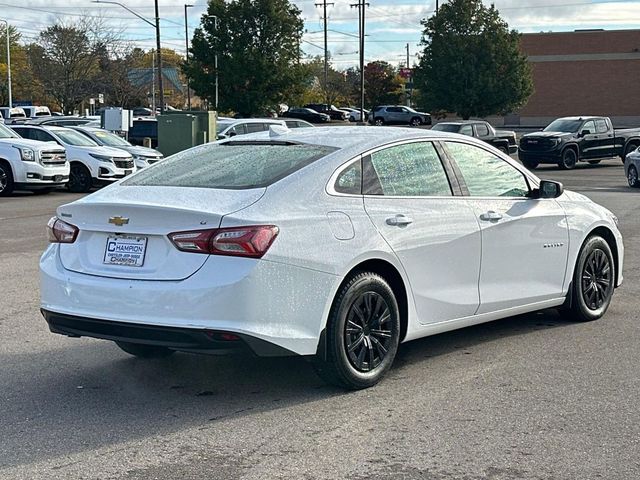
(119,221)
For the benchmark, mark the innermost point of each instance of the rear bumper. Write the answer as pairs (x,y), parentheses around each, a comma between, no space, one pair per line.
(194,340)
(261,299)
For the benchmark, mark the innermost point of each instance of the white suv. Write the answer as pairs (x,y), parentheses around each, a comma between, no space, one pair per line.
(29,165)
(92,165)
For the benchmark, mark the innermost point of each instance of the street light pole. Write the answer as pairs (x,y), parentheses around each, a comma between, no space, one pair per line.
(215,59)
(155,25)
(8,64)
(186,39)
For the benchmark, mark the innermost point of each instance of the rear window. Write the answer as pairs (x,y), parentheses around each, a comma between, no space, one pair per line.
(234,166)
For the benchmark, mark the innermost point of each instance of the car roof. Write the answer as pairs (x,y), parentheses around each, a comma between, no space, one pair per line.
(582,117)
(357,137)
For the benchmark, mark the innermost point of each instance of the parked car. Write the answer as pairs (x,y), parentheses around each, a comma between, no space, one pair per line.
(35,111)
(501,139)
(331,110)
(308,115)
(58,121)
(569,140)
(142,156)
(28,165)
(91,164)
(231,128)
(382,239)
(142,112)
(632,167)
(144,128)
(296,123)
(398,115)
(354,113)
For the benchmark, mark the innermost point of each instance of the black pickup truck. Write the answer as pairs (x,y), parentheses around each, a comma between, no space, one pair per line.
(569,140)
(501,139)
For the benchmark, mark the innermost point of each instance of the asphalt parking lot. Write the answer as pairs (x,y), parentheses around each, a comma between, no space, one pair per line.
(528,397)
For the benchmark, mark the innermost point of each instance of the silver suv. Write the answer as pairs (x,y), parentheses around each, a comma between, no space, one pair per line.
(398,114)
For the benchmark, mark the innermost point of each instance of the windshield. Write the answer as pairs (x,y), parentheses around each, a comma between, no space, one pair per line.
(110,139)
(235,166)
(77,139)
(7,133)
(220,126)
(562,125)
(446,127)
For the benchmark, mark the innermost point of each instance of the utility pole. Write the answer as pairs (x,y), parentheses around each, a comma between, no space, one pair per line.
(361,6)
(8,64)
(326,49)
(437,6)
(159,58)
(186,38)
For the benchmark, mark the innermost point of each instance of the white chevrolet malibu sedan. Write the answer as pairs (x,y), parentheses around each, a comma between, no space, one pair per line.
(334,243)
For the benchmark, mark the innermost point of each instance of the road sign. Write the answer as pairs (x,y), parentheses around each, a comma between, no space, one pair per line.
(92,101)
(406,72)
(100,98)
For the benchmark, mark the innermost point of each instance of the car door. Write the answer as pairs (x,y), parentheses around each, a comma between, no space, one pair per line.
(525,240)
(434,234)
(605,140)
(589,140)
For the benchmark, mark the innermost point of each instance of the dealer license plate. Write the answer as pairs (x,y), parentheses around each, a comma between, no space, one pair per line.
(125,250)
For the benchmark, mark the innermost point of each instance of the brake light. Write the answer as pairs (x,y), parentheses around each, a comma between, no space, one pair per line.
(251,241)
(59,231)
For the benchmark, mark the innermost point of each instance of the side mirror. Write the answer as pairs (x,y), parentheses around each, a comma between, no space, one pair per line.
(584,133)
(548,189)
(232,133)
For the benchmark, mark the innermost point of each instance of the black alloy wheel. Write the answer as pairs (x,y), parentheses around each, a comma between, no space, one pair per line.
(415,122)
(378,121)
(503,149)
(362,333)
(79,179)
(596,279)
(569,159)
(632,177)
(6,180)
(368,331)
(593,280)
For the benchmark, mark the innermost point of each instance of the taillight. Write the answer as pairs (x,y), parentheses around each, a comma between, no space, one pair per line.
(251,241)
(61,232)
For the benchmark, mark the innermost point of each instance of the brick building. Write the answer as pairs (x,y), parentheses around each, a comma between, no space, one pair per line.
(594,72)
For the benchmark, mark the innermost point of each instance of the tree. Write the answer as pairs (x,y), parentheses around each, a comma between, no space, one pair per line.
(472,64)
(258,47)
(381,83)
(66,60)
(23,85)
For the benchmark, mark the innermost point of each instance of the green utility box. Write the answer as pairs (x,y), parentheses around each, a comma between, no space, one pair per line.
(178,130)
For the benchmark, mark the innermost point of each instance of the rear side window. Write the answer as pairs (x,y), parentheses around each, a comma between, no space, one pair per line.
(350,179)
(482,129)
(487,175)
(410,170)
(230,166)
(601,126)
(255,127)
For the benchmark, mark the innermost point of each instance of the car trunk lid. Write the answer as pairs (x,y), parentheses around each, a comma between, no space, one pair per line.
(123,230)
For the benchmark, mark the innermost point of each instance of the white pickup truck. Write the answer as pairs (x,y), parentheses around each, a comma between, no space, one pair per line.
(30,165)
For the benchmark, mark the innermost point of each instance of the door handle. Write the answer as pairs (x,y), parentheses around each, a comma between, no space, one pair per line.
(491,216)
(399,220)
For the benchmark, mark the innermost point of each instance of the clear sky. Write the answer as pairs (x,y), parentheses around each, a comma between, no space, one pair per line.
(390,24)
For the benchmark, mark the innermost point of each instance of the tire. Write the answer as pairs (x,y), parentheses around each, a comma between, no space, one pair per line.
(503,149)
(79,179)
(378,121)
(594,162)
(569,159)
(145,351)
(593,281)
(356,357)
(632,177)
(530,164)
(415,122)
(6,180)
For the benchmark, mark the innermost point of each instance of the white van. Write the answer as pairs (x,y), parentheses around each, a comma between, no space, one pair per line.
(34,112)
